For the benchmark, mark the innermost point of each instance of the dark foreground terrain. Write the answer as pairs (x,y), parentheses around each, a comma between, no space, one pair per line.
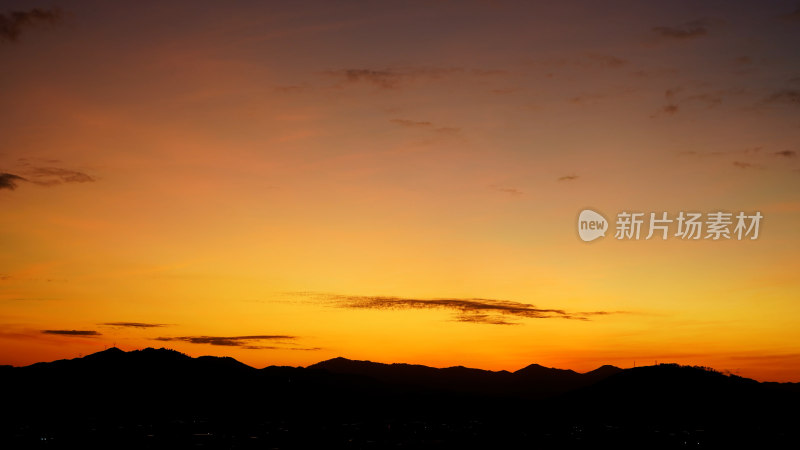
(164,399)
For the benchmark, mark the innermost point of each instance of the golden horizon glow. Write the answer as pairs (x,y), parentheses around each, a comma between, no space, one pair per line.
(227,172)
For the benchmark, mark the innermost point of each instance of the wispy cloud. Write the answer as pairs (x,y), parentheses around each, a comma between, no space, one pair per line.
(670,109)
(750,152)
(425,125)
(134,324)
(609,61)
(709,99)
(231,341)
(583,99)
(392,78)
(279,341)
(568,178)
(9,181)
(474,317)
(43,176)
(777,357)
(84,333)
(51,176)
(13,23)
(447,130)
(745,165)
(387,79)
(677,98)
(788,96)
(472,310)
(412,123)
(506,189)
(689,30)
(745,159)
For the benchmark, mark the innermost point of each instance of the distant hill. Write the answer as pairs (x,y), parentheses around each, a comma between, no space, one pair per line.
(165,391)
(533,381)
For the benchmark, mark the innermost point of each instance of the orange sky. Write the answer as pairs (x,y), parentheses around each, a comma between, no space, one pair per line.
(399,181)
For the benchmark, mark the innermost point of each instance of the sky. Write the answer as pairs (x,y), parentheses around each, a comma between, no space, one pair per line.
(288,182)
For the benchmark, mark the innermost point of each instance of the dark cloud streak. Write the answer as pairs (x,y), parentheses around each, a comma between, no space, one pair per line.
(51,176)
(411,123)
(13,23)
(228,341)
(133,324)
(44,176)
(386,79)
(745,165)
(395,78)
(506,189)
(84,333)
(689,30)
(9,181)
(472,310)
(426,125)
(789,96)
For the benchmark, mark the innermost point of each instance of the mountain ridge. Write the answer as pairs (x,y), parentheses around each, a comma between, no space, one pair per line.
(534,382)
(342,359)
(163,391)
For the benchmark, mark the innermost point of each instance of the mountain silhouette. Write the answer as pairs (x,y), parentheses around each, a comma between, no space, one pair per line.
(532,381)
(159,398)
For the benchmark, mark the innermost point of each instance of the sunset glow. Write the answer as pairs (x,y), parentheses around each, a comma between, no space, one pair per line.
(287,182)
